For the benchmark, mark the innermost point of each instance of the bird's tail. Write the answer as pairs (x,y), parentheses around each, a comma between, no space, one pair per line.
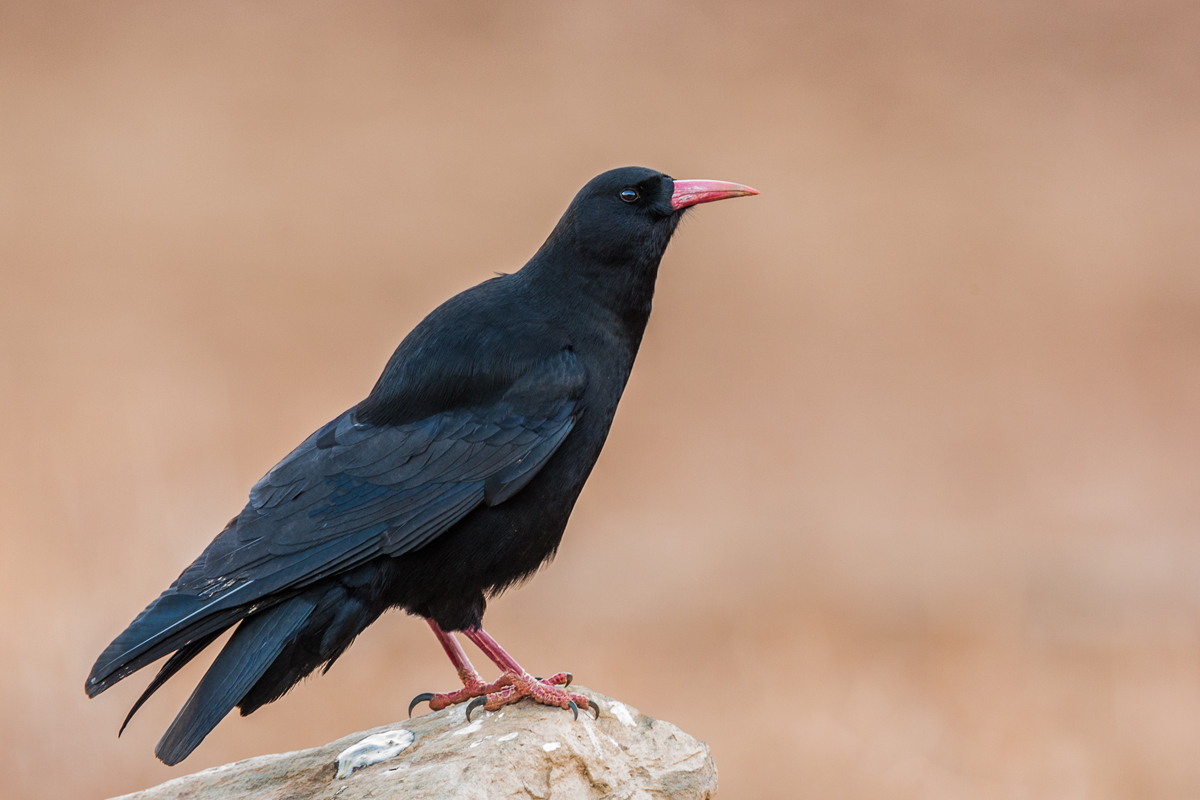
(248,654)
(271,650)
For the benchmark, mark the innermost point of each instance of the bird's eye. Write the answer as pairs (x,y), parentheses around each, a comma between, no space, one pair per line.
(630,195)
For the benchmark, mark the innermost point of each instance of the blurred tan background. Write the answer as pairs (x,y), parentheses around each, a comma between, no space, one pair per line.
(902,499)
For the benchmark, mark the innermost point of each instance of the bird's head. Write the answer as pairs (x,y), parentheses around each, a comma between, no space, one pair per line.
(627,215)
(605,251)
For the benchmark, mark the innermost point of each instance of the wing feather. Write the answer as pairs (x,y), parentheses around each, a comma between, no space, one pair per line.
(349,493)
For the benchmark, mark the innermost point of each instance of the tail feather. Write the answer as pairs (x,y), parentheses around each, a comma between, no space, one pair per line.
(339,618)
(172,621)
(246,656)
(173,665)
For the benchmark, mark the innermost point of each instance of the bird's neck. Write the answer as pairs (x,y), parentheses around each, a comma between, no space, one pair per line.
(599,285)
(594,299)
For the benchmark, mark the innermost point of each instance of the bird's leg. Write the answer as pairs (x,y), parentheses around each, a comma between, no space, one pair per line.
(507,664)
(513,684)
(473,684)
(516,683)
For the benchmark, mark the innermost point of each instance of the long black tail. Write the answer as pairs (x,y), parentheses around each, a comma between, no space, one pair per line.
(271,650)
(251,650)
(267,655)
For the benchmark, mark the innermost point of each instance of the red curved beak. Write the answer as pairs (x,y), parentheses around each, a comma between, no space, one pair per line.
(690,193)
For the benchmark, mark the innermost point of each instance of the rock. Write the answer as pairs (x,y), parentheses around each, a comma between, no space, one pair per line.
(524,750)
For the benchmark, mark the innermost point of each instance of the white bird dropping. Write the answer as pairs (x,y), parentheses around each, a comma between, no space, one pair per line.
(372,750)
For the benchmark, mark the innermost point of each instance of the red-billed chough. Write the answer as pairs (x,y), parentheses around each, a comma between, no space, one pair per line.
(453,480)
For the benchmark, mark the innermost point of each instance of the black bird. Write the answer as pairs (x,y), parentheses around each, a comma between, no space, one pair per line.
(453,480)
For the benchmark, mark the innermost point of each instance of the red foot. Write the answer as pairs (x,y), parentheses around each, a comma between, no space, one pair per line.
(474,686)
(513,684)
(513,687)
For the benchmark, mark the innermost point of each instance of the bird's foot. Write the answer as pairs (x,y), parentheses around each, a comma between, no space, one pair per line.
(513,683)
(473,686)
(548,691)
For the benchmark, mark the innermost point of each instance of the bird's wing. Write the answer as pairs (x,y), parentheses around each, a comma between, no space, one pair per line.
(349,493)
(395,487)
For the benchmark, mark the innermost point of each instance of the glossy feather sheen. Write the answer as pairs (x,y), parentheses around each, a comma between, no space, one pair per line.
(453,480)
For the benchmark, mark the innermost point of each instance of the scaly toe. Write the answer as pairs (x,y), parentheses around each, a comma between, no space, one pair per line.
(509,688)
(473,688)
(558,679)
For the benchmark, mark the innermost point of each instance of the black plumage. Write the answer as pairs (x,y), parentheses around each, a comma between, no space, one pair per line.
(451,481)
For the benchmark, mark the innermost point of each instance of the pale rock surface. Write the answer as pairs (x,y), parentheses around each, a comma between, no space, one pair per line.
(522,751)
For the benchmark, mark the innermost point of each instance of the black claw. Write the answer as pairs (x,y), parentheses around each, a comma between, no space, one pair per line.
(474,704)
(574,708)
(570,678)
(421,698)
(537,677)
(594,707)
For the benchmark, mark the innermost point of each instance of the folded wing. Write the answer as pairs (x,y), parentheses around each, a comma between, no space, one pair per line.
(349,493)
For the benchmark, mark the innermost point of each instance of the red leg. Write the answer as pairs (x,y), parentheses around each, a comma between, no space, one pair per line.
(521,683)
(513,684)
(473,684)
(492,649)
(458,656)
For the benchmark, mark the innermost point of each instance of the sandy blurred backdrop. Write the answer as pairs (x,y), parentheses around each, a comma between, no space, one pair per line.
(902,499)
